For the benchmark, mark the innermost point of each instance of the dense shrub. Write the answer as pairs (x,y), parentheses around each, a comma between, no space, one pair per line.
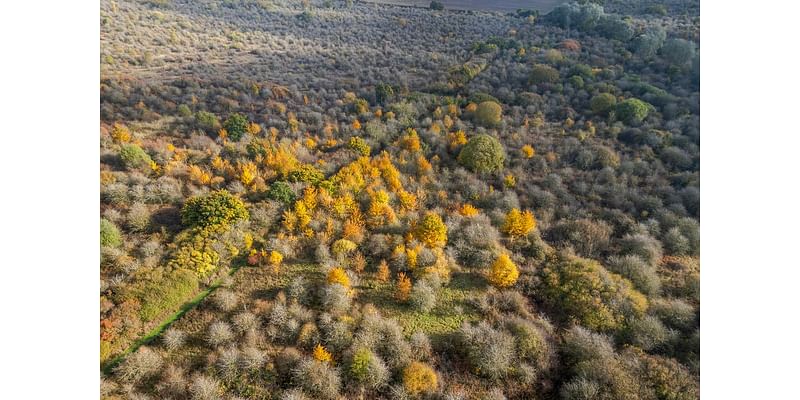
(280,191)
(109,234)
(423,296)
(236,126)
(359,145)
(647,333)
(219,333)
(504,272)
(632,111)
(419,378)
(583,291)
(488,114)
(431,230)
(603,103)
(216,208)
(134,157)
(490,352)
(317,378)
(368,369)
(542,73)
(482,154)
(142,363)
(207,121)
(642,245)
(678,52)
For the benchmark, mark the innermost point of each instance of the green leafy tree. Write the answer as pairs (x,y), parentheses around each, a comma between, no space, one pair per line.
(678,52)
(134,157)
(359,145)
(280,191)
(542,73)
(236,125)
(603,103)
(215,208)
(488,114)
(483,153)
(207,121)
(306,173)
(588,294)
(384,93)
(632,111)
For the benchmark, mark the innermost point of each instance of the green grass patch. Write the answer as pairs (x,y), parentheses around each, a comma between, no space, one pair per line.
(453,306)
(109,365)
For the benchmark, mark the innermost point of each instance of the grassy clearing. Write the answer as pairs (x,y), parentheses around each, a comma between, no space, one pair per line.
(155,332)
(453,306)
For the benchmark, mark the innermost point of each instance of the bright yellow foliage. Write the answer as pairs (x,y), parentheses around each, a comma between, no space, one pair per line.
(408,201)
(275,258)
(456,139)
(528,151)
(504,272)
(310,198)
(510,181)
(107,177)
(403,288)
(431,231)
(468,210)
(383,271)
(410,141)
(338,275)
(518,224)
(247,172)
(320,354)
(254,128)
(343,247)
(419,378)
(120,133)
(199,176)
(423,165)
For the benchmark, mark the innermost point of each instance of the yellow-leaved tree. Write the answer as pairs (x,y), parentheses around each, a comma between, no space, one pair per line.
(403,288)
(518,224)
(320,354)
(338,275)
(419,378)
(431,230)
(504,272)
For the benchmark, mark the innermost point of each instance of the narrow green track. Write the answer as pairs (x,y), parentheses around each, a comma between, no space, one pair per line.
(108,366)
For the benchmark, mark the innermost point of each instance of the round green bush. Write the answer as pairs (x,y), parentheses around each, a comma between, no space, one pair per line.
(236,125)
(134,157)
(541,73)
(488,113)
(280,191)
(483,153)
(216,208)
(603,103)
(632,110)
(109,234)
